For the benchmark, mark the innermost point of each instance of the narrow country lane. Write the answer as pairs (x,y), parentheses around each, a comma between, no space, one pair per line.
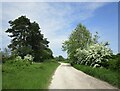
(67,77)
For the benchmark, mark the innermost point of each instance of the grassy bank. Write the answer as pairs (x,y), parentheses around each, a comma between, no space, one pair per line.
(101,73)
(35,76)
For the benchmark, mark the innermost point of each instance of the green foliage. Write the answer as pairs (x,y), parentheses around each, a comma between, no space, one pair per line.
(19,29)
(27,39)
(17,63)
(101,73)
(114,63)
(35,76)
(79,38)
(84,49)
(47,54)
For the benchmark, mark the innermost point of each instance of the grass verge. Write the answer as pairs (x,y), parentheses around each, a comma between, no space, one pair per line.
(35,76)
(101,73)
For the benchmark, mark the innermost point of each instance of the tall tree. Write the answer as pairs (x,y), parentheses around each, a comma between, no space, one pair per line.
(27,38)
(19,29)
(79,38)
(37,42)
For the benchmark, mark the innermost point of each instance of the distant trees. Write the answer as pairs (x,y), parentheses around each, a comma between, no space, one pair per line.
(27,39)
(4,54)
(60,58)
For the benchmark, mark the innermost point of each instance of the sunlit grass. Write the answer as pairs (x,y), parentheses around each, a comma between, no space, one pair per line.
(101,73)
(35,76)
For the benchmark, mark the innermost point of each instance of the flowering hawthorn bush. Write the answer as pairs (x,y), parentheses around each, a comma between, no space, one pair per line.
(18,58)
(29,58)
(18,61)
(94,55)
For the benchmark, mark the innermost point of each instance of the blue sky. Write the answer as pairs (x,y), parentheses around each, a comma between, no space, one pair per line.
(58,19)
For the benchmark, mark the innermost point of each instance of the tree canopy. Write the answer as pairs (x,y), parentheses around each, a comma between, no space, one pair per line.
(27,39)
(79,38)
(85,49)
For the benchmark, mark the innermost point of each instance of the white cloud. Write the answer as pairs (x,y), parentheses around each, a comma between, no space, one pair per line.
(52,17)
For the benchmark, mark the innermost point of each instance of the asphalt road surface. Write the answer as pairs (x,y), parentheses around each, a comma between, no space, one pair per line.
(67,77)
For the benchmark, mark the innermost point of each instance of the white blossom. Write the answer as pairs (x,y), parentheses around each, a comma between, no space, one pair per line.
(18,58)
(94,54)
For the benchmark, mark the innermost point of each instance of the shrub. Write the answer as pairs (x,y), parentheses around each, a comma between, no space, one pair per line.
(114,63)
(29,58)
(95,55)
(14,65)
(17,62)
